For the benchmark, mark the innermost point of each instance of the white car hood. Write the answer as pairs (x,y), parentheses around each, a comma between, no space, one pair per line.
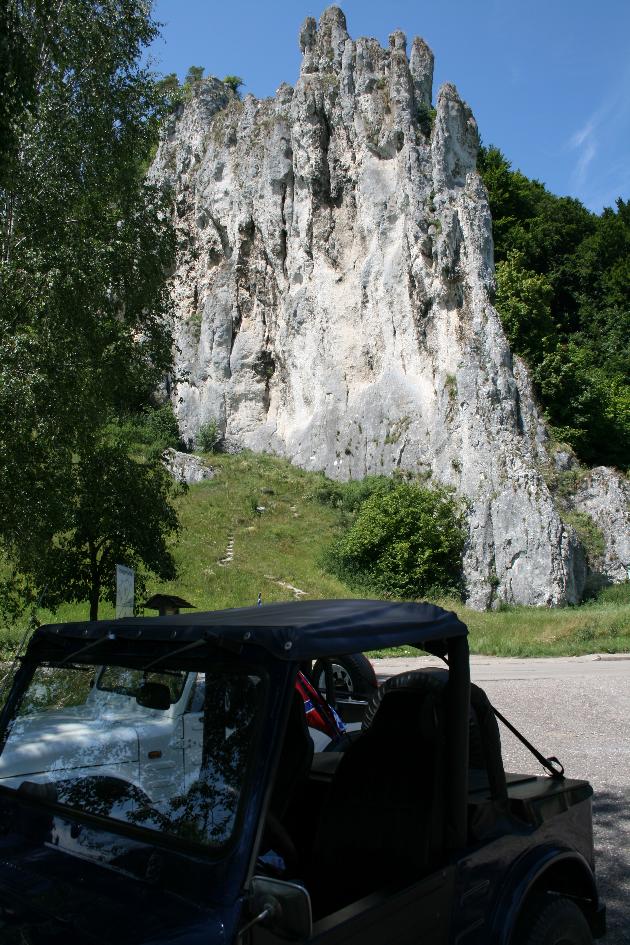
(66,739)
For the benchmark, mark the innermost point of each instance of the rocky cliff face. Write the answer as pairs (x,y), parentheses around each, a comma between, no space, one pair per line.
(333,296)
(604,496)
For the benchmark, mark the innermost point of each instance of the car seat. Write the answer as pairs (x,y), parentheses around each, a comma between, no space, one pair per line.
(484,738)
(383,821)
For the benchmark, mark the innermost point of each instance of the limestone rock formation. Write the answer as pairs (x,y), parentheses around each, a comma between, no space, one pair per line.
(333,296)
(604,495)
(185,467)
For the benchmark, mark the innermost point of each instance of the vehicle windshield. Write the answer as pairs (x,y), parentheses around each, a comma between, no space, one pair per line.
(168,751)
(116,688)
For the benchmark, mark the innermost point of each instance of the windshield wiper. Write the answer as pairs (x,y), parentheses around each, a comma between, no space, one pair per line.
(209,637)
(167,656)
(88,646)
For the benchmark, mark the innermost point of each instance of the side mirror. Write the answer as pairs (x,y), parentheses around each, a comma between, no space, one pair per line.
(153,695)
(283,907)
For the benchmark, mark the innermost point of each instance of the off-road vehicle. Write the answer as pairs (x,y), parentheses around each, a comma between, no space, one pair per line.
(233,830)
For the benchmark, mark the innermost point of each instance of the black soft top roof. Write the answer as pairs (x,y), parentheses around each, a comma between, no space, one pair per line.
(300,630)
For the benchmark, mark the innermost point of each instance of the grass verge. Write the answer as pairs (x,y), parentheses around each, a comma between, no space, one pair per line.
(596,627)
(268,513)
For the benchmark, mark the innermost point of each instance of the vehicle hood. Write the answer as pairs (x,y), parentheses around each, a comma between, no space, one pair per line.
(66,739)
(50,898)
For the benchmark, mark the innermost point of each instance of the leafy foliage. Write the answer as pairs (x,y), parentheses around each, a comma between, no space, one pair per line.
(85,241)
(524,300)
(405,542)
(590,535)
(426,115)
(209,437)
(162,429)
(563,292)
(151,432)
(194,74)
(349,496)
(121,512)
(234,82)
(17,81)
(169,83)
(172,93)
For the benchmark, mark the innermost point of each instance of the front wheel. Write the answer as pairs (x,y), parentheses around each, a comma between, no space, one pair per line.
(553,921)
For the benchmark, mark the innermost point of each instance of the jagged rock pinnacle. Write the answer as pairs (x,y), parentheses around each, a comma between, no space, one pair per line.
(333,296)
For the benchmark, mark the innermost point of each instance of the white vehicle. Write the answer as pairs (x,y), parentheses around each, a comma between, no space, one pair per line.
(143,728)
(113,729)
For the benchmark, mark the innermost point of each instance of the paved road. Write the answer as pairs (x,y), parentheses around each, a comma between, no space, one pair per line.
(579,710)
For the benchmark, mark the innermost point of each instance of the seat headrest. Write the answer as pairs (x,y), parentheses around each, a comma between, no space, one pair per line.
(404,713)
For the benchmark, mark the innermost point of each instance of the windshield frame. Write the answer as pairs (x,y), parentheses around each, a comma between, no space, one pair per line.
(216,658)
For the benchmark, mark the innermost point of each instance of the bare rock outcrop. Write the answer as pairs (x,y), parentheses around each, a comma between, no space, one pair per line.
(604,495)
(185,467)
(333,296)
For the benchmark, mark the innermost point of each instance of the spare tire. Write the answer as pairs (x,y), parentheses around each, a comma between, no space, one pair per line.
(431,680)
(353,676)
(414,679)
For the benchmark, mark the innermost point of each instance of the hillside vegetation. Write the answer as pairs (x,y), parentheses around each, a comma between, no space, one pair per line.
(563,293)
(269,520)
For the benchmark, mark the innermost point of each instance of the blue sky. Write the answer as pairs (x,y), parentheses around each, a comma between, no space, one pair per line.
(548,82)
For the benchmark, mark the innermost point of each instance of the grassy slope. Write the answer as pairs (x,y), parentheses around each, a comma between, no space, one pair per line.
(284,543)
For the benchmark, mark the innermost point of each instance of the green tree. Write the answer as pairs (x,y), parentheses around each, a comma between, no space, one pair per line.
(160,429)
(524,301)
(85,242)
(121,514)
(16,82)
(404,543)
(169,83)
(194,75)
(583,407)
(173,93)
(234,82)
(563,293)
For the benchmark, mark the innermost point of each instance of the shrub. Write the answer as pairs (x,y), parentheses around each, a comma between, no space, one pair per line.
(590,535)
(208,439)
(161,428)
(426,119)
(615,594)
(151,432)
(405,542)
(194,75)
(349,496)
(234,82)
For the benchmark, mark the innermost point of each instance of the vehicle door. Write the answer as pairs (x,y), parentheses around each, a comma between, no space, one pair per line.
(161,742)
(418,914)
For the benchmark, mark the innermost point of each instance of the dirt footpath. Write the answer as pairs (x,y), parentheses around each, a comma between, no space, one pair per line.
(579,710)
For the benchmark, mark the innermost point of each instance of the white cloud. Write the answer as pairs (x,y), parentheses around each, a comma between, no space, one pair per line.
(581,136)
(589,150)
(602,125)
